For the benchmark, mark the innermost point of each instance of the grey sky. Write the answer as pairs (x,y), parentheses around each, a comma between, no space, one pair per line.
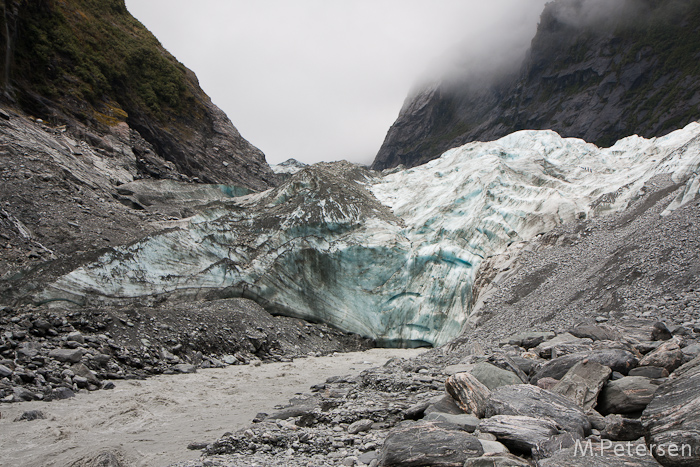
(325,79)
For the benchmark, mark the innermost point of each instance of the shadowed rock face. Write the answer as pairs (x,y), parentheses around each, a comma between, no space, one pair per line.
(630,71)
(391,258)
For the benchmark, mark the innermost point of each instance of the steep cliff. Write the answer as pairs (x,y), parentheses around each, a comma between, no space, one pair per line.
(90,64)
(596,70)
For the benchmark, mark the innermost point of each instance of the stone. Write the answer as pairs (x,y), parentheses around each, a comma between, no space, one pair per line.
(5,371)
(414,444)
(599,332)
(519,433)
(416,411)
(589,453)
(528,340)
(497,460)
(83,371)
(76,336)
(668,355)
(469,393)
(492,376)
(546,348)
(360,426)
(615,359)
(22,394)
(468,422)
(67,355)
(63,393)
(690,352)
(619,428)
(549,447)
(530,401)
(184,368)
(598,422)
(444,404)
(672,417)
(659,332)
(547,383)
(583,382)
(507,362)
(626,395)
(652,372)
(493,447)
(31,415)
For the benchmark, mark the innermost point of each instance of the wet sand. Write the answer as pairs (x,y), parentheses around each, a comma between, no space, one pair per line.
(151,422)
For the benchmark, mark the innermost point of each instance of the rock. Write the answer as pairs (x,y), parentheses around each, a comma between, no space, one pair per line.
(414,444)
(67,355)
(615,359)
(197,445)
(468,422)
(4,371)
(547,348)
(519,433)
(492,376)
(493,447)
(497,460)
(75,336)
(22,394)
(360,426)
(81,370)
(528,340)
(626,395)
(31,415)
(672,417)
(458,368)
(668,355)
(690,352)
(619,428)
(659,332)
(598,422)
(444,404)
(108,385)
(469,393)
(530,401)
(583,382)
(416,411)
(600,332)
(184,368)
(549,447)
(653,372)
(63,393)
(368,457)
(604,454)
(547,383)
(508,363)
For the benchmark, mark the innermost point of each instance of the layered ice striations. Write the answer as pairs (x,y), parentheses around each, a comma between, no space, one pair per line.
(390,257)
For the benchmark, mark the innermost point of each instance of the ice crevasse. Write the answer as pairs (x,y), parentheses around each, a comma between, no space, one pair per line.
(392,256)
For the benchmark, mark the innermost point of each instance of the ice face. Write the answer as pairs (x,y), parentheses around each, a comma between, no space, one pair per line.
(393,257)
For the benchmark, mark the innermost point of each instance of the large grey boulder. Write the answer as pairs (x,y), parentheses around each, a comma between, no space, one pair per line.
(67,355)
(668,355)
(583,382)
(507,362)
(618,360)
(467,422)
(469,393)
(531,401)
(596,332)
(415,444)
(493,377)
(672,418)
(626,395)
(519,433)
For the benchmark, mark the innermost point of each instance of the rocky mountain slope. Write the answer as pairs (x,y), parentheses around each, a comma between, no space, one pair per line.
(599,71)
(86,64)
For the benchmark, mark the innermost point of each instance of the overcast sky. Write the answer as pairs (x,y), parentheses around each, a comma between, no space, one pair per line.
(325,79)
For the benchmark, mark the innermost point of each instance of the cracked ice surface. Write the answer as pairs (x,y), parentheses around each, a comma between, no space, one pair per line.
(390,257)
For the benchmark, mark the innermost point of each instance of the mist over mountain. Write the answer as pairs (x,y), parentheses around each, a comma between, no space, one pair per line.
(595,70)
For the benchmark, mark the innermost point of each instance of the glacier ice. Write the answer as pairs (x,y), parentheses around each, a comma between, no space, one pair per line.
(392,257)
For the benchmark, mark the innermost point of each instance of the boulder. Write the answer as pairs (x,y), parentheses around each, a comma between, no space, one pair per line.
(414,444)
(529,340)
(497,460)
(4,371)
(467,422)
(530,401)
(659,332)
(668,355)
(184,368)
(604,454)
(519,433)
(615,359)
(672,418)
(359,426)
(583,382)
(469,393)
(599,332)
(444,404)
(619,428)
(547,383)
(507,362)
(653,372)
(492,447)
(549,447)
(493,377)
(67,355)
(547,348)
(626,395)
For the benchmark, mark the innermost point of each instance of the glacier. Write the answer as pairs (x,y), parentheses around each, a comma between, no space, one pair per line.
(390,256)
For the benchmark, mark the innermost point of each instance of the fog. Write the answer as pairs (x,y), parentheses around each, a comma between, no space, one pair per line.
(324,80)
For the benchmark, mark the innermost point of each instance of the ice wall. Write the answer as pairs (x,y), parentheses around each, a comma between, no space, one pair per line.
(390,257)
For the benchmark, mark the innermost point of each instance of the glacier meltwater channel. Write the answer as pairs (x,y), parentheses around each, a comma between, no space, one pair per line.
(391,257)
